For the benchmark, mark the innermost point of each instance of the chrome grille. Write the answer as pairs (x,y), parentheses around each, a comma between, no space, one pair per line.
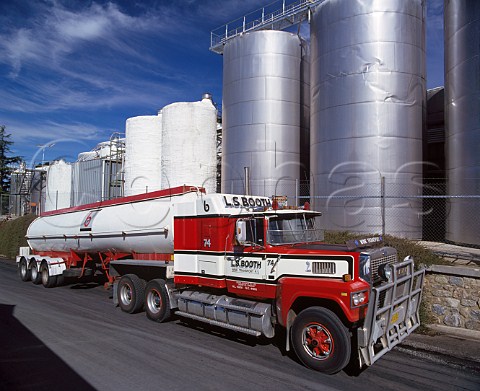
(323,268)
(380,257)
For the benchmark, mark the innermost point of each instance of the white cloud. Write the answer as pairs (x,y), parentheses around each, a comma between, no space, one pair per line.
(54,33)
(45,132)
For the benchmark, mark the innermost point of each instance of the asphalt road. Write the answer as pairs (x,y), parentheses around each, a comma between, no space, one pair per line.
(73,338)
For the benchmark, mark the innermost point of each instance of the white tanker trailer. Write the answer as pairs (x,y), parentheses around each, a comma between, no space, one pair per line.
(238,262)
(136,224)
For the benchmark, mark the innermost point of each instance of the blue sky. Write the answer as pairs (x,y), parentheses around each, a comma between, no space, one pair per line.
(73,71)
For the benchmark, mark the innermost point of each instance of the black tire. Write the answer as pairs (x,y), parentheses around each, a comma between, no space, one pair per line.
(60,280)
(23,270)
(36,276)
(48,281)
(130,293)
(320,340)
(157,303)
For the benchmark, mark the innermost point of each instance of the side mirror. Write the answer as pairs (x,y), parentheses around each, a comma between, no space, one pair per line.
(241,231)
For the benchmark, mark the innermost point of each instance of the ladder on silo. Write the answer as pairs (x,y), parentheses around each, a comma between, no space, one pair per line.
(115,163)
(278,15)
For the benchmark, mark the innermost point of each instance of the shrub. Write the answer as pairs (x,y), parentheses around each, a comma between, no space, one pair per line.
(12,235)
(405,247)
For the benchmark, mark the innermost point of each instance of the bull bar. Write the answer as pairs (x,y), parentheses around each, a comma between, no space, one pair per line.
(392,314)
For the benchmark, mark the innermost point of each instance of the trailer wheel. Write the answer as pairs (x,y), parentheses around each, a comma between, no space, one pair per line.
(157,304)
(320,340)
(131,291)
(60,280)
(48,281)
(36,276)
(23,270)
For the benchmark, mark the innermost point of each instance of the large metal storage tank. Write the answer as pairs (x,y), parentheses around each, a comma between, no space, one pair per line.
(462,118)
(261,113)
(59,186)
(367,111)
(143,149)
(189,150)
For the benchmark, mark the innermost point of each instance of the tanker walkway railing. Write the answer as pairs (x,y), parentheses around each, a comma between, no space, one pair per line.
(276,16)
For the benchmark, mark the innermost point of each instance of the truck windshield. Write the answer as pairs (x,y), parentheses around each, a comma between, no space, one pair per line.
(293,229)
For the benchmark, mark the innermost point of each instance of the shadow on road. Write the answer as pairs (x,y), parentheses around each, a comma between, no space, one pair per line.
(90,282)
(27,364)
(222,332)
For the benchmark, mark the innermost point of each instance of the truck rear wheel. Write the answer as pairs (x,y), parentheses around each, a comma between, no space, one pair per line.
(48,281)
(130,293)
(320,340)
(23,270)
(35,275)
(157,304)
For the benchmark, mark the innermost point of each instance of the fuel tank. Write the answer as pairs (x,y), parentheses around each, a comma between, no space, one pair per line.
(136,224)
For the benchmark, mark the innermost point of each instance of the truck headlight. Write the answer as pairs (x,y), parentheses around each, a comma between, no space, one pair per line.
(358,299)
(385,272)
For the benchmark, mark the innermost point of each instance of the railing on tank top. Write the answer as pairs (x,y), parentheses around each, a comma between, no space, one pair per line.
(275,16)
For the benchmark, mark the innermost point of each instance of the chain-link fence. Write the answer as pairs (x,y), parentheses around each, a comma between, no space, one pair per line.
(424,208)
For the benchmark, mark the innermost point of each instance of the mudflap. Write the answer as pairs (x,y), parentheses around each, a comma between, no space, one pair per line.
(393,312)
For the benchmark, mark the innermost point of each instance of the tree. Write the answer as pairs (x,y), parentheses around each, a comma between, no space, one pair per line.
(6,161)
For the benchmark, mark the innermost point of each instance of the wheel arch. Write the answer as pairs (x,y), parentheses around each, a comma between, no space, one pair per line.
(146,273)
(302,303)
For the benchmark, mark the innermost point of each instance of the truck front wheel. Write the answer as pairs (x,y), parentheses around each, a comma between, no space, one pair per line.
(320,340)
(157,304)
(131,290)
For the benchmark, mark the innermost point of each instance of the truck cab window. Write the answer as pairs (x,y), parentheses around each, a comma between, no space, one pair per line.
(255,233)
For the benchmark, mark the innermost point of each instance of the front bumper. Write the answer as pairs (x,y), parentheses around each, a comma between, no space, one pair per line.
(392,314)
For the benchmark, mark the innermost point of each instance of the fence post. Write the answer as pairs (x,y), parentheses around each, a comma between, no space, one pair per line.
(382,199)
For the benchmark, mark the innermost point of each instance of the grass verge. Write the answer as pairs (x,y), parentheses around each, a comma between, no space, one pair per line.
(12,235)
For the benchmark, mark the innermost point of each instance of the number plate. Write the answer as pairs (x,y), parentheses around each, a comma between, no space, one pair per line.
(394,318)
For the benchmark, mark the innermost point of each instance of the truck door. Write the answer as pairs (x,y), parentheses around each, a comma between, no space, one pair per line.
(245,268)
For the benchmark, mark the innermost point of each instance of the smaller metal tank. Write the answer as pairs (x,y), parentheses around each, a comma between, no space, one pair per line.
(143,148)
(189,134)
(59,186)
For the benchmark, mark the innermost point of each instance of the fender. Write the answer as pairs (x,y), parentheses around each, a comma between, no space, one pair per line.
(56,266)
(338,291)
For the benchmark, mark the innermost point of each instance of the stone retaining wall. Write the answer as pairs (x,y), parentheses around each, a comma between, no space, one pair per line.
(452,296)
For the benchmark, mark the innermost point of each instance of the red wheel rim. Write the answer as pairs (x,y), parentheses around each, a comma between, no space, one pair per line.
(317,341)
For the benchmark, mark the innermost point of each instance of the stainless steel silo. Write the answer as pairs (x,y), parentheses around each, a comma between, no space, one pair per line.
(462,119)
(367,114)
(261,113)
